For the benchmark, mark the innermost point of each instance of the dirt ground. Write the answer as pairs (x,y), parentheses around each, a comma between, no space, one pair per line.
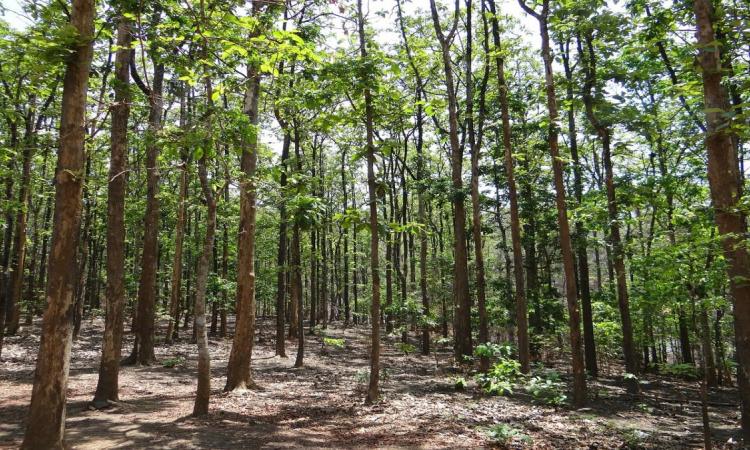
(321,405)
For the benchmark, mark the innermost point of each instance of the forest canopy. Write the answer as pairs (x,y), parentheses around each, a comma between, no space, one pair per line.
(541,200)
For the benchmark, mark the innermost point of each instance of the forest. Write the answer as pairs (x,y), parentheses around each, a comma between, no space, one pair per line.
(374,224)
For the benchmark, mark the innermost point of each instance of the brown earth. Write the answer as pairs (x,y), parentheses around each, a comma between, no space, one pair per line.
(321,405)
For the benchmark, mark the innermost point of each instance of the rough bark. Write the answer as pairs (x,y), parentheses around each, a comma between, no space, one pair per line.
(571,291)
(107,385)
(461,299)
(46,422)
(724,182)
(238,370)
(372,388)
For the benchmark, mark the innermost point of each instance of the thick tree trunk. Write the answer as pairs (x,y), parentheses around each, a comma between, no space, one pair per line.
(46,423)
(238,370)
(108,385)
(724,181)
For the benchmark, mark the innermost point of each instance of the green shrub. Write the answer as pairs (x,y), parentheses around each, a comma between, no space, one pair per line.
(684,371)
(503,433)
(333,342)
(406,348)
(459,383)
(547,389)
(173,362)
(500,378)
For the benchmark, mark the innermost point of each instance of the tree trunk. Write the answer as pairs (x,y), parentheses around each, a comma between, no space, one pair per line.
(176,288)
(109,369)
(238,370)
(604,131)
(589,343)
(571,291)
(46,422)
(200,408)
(143,349)
(522,327)
(372,389)
(724,181)
(461,299)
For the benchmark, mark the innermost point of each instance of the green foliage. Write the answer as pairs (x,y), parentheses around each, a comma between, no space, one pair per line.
(504,433)
(547,388)
(333,342)
(171,363)
(406,348)
(500,378)
(680,370)
(459,383)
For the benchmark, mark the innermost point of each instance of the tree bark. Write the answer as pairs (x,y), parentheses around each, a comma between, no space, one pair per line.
(372,388)
(571,291)
(724,182)
(46,423)
(461,299)
(108,383)
(238,370)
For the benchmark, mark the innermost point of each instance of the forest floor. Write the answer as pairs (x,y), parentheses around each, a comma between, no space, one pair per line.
(321,405)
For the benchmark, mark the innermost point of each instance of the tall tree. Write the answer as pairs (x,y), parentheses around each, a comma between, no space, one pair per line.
(46,423)
(724,181)
(366,80)
(461,298)
(108,383)
(571,290)
(522,323)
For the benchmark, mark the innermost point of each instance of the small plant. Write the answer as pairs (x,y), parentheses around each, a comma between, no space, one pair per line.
(406,348)
(459,383)
(683,371)
(173,362)
(333,342)
(547,389)
(503,433)
(634,438)
(500,378)
(362,377)
(492,350)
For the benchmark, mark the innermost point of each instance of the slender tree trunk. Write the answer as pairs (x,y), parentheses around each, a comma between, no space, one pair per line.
(46,423)
(108,385)
(179,236)
(581,248)
(461,299)
(372,389)
(522,327)
(200,407)
(604,131)
(571,290)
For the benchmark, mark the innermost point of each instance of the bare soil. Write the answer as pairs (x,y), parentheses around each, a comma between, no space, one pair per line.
(321,405)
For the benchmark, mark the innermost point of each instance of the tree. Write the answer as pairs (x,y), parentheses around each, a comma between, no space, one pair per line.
(46,423)
(724,181)
(107,385)
(365,78)
(461,299)
(571,291)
